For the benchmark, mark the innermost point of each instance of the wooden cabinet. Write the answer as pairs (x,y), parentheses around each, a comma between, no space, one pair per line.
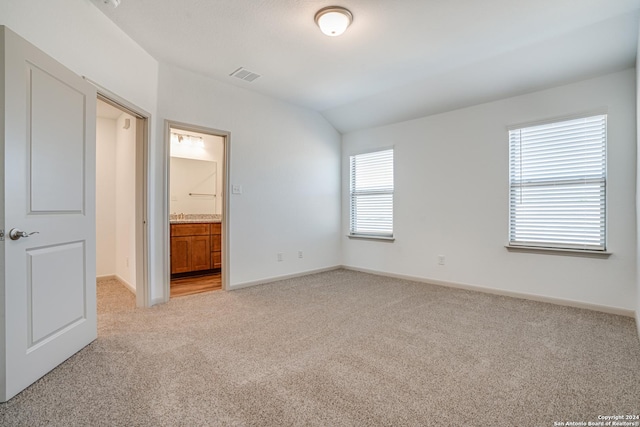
(200,247)
(216,245)
(190,248)
(180,254)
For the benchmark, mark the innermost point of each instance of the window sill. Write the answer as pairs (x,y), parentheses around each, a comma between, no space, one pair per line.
(365,237)
(557,251)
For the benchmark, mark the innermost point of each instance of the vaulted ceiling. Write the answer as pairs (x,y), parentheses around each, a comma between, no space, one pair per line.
(400,59)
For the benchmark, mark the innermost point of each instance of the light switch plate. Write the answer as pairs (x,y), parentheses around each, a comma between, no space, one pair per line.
(236,189)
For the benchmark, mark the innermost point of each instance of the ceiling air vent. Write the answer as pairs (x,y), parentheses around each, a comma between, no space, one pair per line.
(243,74)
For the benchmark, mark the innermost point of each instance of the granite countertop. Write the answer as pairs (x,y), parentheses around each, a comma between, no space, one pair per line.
(194,218)
(194,221)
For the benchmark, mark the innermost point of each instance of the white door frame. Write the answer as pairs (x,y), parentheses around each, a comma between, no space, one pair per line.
(226,136)
(143,128)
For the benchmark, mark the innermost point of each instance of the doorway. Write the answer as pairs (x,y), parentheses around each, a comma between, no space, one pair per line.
(197,168)
(121,194)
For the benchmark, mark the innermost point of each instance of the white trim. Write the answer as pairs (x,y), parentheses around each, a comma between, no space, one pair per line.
(371,237)
(595,112)
(126,284)
(165,238)
(502,292)
(370,150)
(558,251)
(284,277)
(166,224)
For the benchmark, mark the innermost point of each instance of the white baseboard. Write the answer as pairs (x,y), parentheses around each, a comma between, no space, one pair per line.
(119,279)
(126,284)
(278,278)
(502,292)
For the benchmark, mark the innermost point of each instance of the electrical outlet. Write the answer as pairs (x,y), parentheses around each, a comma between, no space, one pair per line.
(279,256)
(299,254)
(441,259)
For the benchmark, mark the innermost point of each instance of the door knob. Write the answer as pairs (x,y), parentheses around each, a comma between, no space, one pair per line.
(15,234)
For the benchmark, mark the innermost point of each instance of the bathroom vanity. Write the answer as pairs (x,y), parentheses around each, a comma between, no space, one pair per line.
(196,247)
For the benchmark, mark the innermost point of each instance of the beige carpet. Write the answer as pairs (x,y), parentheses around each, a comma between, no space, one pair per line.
(340,349)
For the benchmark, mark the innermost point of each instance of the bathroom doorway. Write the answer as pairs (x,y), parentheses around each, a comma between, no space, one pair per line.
(197,166)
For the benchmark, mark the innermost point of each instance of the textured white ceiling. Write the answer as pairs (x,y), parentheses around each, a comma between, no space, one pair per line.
(399,59)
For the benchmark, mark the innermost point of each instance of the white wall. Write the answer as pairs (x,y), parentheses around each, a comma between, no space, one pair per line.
(115,199)
(451,198)
(287,160)
(125,208)
(78,35)
(105,197)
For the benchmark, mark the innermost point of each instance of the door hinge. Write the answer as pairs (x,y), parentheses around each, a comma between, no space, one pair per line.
(1,235)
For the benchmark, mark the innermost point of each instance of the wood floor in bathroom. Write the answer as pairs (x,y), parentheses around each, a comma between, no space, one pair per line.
(195,285)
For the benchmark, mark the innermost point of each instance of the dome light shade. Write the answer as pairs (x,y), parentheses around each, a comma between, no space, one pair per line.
(333,20)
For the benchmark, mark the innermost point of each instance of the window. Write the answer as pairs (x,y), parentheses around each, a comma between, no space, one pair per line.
(371,194)
(557,185)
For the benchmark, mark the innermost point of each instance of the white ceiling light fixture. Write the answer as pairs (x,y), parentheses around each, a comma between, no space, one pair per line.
(190,140)
(333,20)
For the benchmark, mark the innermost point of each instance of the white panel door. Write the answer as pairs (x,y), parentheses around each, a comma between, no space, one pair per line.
(48,298)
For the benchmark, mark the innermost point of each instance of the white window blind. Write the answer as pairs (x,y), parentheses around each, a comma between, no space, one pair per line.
(371,194)
(557,184)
